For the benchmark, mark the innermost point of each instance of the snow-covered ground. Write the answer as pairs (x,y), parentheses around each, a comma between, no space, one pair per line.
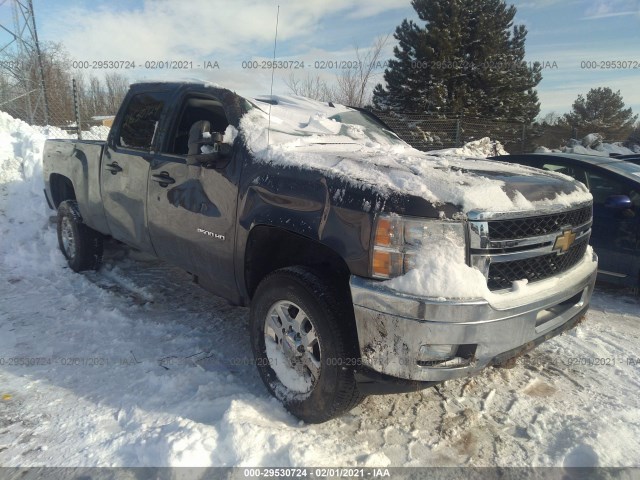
(136,366)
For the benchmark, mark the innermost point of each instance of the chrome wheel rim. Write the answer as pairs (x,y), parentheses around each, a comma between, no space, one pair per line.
(292,346)
(68,240)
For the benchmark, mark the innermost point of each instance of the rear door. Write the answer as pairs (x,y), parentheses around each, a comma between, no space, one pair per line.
(125,168)
(192,205)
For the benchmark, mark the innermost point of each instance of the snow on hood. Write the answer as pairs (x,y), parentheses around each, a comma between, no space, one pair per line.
(341,142)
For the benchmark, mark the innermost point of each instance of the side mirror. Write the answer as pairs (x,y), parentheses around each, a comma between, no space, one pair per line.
(618,202)
(218,159)
(201,158)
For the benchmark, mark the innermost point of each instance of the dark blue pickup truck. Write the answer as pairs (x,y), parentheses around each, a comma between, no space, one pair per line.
(369,267)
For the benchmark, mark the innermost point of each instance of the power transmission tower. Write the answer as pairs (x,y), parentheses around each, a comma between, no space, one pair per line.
(22,64)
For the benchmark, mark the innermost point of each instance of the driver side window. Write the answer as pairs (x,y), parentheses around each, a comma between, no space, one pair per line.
(603,186)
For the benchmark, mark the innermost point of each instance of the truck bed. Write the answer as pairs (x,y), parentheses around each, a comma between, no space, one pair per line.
(76,162)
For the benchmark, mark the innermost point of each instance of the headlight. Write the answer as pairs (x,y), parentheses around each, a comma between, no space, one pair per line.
(400,242)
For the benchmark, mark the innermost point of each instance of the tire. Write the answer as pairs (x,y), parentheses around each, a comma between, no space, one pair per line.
(80,245)
(309,301)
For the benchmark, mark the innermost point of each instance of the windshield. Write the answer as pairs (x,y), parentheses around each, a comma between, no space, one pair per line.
(368,124)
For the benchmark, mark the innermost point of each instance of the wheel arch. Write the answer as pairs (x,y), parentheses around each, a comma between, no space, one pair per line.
(61,189)
(271,248)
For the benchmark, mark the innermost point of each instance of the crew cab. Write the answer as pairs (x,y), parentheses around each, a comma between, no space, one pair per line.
(369,267)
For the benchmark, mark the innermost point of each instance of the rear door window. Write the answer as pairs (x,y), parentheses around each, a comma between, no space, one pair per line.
(141,119)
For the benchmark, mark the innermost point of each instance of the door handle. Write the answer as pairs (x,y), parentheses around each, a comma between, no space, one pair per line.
(113,167)
(163,179)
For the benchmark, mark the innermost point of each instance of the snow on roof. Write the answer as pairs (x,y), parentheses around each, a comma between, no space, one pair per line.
(341,142)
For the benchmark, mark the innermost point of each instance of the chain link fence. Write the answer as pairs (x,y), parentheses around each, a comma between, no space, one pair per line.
(430,132)
(65,110)
(560,135)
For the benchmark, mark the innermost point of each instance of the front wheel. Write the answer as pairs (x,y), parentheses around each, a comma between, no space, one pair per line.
(81,245)
(302,340)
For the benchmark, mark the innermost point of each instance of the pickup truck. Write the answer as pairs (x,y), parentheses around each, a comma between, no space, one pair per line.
(369,267)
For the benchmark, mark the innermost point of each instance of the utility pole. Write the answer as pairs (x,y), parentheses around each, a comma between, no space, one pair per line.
(23,64)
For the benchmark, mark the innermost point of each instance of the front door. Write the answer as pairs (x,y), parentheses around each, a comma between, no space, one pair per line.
(192,205)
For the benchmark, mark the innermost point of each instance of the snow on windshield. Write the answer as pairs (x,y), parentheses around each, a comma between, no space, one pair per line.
(303,121)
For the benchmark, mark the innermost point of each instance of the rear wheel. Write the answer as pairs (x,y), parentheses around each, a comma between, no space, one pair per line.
(301,334)
(81,245)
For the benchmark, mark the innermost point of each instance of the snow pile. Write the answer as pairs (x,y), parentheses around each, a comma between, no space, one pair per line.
(615,148)
(24,212)
(545,150)
(21,184)
(339,142)
(97,132)
(483,148)
(593,140)
(592,144)
(580,150)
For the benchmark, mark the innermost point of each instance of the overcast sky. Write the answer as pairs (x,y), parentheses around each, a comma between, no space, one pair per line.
(563,35)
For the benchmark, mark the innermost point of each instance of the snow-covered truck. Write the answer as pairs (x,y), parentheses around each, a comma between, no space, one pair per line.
(370,267)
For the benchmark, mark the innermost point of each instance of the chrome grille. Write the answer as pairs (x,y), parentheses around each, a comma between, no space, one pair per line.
(528,247)
(540,225)
(502,274)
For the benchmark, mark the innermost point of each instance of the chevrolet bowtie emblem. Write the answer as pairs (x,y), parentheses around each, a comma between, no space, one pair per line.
(564,241)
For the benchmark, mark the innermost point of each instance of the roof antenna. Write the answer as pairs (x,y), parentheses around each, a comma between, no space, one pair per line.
(273,69)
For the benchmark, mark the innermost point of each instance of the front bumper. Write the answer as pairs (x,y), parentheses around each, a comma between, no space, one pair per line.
(395,329)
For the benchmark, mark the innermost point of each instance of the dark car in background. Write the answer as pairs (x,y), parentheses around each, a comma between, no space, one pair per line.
(633,158)
(615,186)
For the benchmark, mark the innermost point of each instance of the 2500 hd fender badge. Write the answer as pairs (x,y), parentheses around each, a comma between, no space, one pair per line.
(217,236)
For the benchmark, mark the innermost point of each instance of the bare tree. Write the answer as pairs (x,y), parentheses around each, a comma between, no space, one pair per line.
(353,85)
(22,84)
(312,86)
(20,92)
(96,97)
(99,97)
(116,89)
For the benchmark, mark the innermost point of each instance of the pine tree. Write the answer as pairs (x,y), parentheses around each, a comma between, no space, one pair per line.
(602,111)
(467,60)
